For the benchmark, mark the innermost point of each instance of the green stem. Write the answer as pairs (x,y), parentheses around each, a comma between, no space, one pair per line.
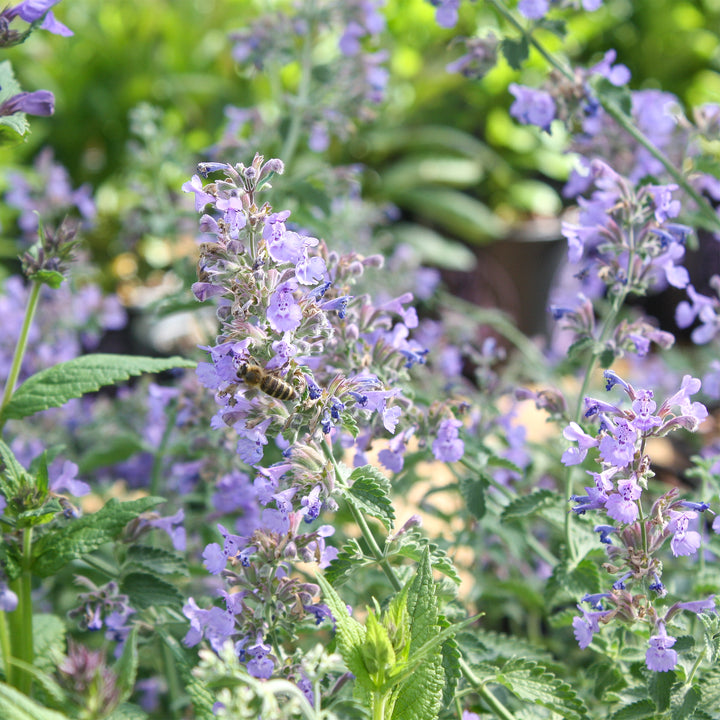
(20,347)
(171,673)
(367,533)
(297,113)
(490,700)
(5,648)
(21,620)
(695,666)
(160,452)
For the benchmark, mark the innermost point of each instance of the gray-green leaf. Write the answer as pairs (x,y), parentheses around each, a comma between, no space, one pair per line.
(54,386)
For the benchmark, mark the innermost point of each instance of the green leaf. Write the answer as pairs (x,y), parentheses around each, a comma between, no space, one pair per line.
(41,515)
(570,583)
(127,711)
(413,545)
(618,96)
(473,492)
(54,386)
(659,687)
(348,559)
(18,706)
(155,560)
(57,548)
(350,636)
(684,708)
(516,52)
(12,127)
(451,656)
(531,504)
(419,696)
(145,590)
(640,710)
(434,249)
(51,278)
(112,450)
(126,667)
(48,640)
(370,492)
(531,682)
(14,475)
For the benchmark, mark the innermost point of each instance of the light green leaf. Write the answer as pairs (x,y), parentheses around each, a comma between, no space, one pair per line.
(640,710)
(532,682)
(531,504)
(418,697)
(413,545)
(14,476)
(684,707)
(146,590)
(86,534)
(369,490)
(348,558)
(12,127)
(570,583)
(18,706)
(113,449)
(155,560)
(126,667)
(435,249)
(350,636)
(48,640)
(72,379)
(473,492)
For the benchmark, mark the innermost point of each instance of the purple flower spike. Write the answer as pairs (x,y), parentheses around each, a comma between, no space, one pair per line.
(660,657)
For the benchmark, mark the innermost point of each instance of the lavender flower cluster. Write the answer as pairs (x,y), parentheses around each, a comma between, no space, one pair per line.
(641,532)
(303,362)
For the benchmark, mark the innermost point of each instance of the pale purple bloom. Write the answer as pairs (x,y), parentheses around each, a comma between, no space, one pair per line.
(644,407)
(214,559)
(533,9)
(8,599)
(448,447)
(616,74)
(446,15)
(66,479)
(532,107)
(665,206)
(622,506)
(698,606)
(586,626)
(283,312)
(40,102)
(618,448)
(659,656)
(194,185)
(575,455)
(684,541)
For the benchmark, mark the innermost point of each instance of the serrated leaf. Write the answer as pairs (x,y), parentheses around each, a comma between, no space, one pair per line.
(18,706)
(51,278)
(127,711)
(418,697)
(659,687)
(348,558)
(413,545)
(126,667)
(14,476)
(12,127)
(532,682)
(146,590)
(48,640)
(473,492)
(451,656)
(54,386)
(684,708)
(516,52)
(570,583)
(350,635)
(369,490)
(156,560)
(40,515)
(86,534)
(530,504)
(640,710)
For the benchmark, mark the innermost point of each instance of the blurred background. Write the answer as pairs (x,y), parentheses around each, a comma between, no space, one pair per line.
(438,167)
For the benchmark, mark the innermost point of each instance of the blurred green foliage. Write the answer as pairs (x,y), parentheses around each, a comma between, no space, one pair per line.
(438,134)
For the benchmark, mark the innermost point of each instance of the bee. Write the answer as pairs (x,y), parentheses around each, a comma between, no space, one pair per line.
(256,376)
